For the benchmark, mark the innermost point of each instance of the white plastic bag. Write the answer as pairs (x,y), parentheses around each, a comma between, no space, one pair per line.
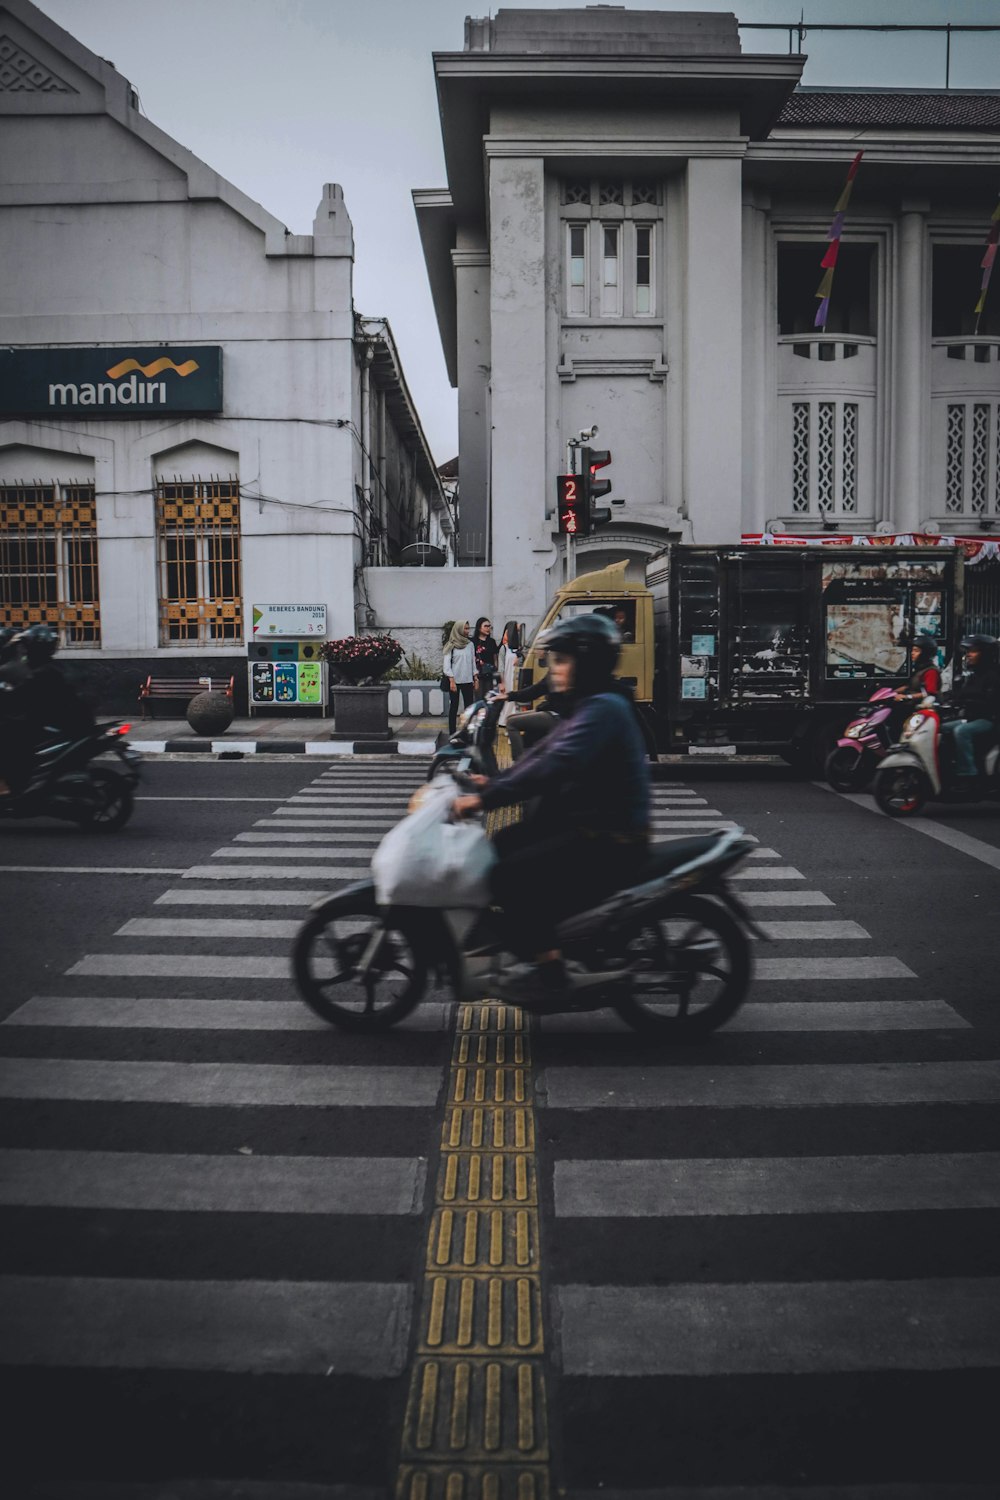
(427,861)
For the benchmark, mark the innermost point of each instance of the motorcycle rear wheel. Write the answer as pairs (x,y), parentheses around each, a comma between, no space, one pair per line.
(902,791)
(325,958)
(848,770)
(692,969)
(112,805)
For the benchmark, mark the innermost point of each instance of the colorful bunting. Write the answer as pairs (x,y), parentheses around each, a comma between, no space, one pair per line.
(836,229)
(987,262)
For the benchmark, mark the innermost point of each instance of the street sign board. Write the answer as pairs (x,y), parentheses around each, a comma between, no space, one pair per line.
(101,383)
(288,619)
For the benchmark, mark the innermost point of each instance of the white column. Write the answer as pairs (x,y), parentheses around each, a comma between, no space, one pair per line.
(472,296)
(712,363)
(909,413)
(760,413)
(522,543)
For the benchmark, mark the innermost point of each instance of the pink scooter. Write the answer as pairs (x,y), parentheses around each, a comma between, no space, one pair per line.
(866,741)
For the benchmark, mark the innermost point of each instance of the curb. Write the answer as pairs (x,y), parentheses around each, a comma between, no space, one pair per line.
(233,749)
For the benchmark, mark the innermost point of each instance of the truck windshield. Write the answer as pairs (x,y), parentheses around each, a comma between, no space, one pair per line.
(620,611)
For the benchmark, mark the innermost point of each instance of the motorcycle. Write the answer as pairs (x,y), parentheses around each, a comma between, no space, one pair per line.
(865,741)
(921,768)
(676,943)
(66,784)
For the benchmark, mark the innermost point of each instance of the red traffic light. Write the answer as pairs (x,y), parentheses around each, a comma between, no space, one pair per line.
(595,459)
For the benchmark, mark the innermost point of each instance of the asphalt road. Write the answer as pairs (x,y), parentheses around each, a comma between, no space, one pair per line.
(760,1267)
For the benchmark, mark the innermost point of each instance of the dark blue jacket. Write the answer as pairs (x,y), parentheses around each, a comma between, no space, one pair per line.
(591,771)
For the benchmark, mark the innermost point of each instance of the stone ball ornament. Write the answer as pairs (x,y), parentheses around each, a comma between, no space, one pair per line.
(210,713)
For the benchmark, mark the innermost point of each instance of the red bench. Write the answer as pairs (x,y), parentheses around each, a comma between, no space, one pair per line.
(184,688)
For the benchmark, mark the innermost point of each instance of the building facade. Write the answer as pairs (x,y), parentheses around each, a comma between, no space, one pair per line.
(193,418)
(631,235)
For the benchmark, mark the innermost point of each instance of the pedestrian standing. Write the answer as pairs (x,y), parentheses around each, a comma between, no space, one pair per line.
(508,662)
(459,667)
(486,655)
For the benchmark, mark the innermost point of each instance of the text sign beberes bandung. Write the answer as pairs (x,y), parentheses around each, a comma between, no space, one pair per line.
(96,383)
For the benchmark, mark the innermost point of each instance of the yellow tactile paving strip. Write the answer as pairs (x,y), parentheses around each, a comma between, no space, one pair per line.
(476,1425)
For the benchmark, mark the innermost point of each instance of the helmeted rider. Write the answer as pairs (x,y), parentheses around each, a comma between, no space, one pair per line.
(977,697)
(925,678)
(590,833)
(41,700)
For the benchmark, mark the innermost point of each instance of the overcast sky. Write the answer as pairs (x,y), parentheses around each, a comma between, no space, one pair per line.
(280,96)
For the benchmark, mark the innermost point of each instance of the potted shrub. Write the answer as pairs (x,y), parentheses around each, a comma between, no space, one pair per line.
(360,698)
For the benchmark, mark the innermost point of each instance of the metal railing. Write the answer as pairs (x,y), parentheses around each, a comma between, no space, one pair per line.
(801,29)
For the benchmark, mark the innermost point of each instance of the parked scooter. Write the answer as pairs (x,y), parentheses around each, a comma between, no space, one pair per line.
(865,742)
(921,768)
(65,783)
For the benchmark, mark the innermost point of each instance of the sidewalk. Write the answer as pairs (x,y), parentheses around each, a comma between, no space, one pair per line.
(288,735)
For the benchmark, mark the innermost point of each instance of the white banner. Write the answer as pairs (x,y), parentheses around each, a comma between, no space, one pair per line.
(288,619)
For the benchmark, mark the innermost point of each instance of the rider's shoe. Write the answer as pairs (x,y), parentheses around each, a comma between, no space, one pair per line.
(558,984)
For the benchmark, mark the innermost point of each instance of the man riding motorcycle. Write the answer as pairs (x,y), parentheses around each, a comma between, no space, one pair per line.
(590,833)
(976,695)
(40,698)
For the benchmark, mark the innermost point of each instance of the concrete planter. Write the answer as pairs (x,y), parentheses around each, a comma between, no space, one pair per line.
(416,700)
(361,713)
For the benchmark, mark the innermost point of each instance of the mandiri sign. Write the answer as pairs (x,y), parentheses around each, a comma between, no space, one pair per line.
(110,383)
(288,619)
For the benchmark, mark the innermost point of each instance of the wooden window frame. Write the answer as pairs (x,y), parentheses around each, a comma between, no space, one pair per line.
(198,535)
(58,518)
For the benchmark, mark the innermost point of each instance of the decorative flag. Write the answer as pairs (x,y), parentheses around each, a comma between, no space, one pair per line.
(987,262)
(836,229)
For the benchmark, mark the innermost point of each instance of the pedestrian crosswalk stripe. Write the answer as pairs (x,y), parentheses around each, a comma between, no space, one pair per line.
(786,1328)
(193,897)
(251,1327)
(305,1085)
(777,1185)
(185,965)
(164,1183)
(773,1086)
(273,872)
(822,931)
(286,851)
(210,927)
(782,898)
(308,836)
(185,1014)
(833,968)
(772,872)
(326,820)
(797,1016)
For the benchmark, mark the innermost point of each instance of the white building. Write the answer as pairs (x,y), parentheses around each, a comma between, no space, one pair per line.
(193,419)
(631,234)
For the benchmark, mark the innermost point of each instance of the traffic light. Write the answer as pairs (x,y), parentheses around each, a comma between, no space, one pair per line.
(591,461)
(573,515)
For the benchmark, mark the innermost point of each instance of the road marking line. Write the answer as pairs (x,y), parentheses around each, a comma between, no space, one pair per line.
(780,898)
(212,1184)
(273,872)
(186,1014)
(293,851)
(833,968)
(210,799)
(819,931)
(305,836)
(777,1185)
(192,897)
(964,843)
(209,927)
(773,872)
(251,1327)
(800,1328)
(796,1016)
(217,1085)
(88,870)
(773,1086)
(184,965)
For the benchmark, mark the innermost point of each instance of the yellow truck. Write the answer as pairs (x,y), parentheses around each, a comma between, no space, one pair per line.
(765,649)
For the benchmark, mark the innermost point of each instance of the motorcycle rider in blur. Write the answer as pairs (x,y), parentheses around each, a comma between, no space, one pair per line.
(41,699)
(977,697)
(589,835)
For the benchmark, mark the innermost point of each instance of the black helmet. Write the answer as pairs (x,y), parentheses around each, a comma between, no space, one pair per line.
(925,639)
(8,634)
(40,643)
(986,644)
(593,641)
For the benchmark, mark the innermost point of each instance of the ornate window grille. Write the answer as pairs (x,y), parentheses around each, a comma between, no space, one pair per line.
(48,560)
(972,459)
(800,456)
(849,459)
(198,557)
(610,192)
(955,460)
(825,455)
(980,457)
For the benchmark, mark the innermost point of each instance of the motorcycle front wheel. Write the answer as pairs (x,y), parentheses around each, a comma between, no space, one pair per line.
(901,791)
(327,955)
(848,770)
(690,971)
(112,805)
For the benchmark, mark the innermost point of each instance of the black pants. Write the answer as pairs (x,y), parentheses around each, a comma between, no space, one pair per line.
(465,691)
(526,729)
(543,876)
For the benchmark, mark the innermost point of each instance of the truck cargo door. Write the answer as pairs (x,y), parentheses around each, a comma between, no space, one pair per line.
(768,631)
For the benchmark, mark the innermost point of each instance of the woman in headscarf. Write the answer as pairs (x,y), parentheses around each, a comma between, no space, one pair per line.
(459,667)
